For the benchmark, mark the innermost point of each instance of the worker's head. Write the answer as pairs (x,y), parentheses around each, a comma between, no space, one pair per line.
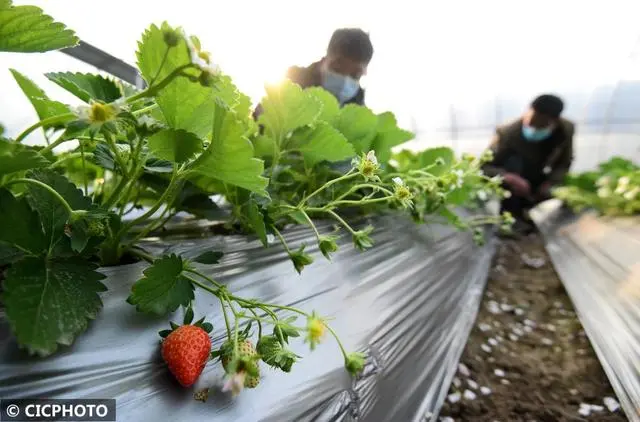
(348,55)
(542,117)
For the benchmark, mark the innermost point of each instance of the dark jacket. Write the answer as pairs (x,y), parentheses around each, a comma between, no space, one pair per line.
(307,77)
(537,162)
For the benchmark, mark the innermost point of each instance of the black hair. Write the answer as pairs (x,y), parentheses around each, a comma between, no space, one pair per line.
(353,43)
(549,105)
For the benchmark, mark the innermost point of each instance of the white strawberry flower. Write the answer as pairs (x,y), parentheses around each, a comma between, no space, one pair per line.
(398,181)
(604,192)
(202,59)
(482,195)
(603,181)
(631,195)
(371,156)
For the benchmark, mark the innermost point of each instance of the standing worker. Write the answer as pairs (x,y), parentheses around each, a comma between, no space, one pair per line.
(339,71)
(532,154)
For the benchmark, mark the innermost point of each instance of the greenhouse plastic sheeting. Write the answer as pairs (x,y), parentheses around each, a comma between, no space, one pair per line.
(598,261)
(408,304)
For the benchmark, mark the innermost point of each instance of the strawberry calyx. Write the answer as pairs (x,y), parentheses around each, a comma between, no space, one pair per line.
(188,318)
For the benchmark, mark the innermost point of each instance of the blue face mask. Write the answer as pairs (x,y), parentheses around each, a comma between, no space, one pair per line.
(343,87)
(535,135)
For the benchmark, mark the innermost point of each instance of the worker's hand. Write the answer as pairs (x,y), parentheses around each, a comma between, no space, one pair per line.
(519,185)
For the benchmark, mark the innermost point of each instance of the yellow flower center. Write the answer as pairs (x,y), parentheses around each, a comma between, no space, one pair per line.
(368,169)
(402,193)
(316,329)
(205,56)
(101,113)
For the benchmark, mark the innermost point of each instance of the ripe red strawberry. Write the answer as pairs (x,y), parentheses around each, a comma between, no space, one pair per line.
(186,351)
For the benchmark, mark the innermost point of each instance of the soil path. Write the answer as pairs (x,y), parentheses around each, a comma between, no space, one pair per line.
(527,358)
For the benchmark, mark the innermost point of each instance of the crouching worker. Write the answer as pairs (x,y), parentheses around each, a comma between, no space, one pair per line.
(339,71)
(532,154)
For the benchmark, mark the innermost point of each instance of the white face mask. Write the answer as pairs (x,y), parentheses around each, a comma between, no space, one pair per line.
(343,87)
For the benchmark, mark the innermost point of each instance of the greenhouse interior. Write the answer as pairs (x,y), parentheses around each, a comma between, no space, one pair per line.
(247,211)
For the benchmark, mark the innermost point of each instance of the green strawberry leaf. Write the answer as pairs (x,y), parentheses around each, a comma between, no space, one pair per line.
(430,157)
(263,146)
(359,125)
(321,143)
(460,195)
(185,104)
(209,257)
(389,135)
(41,103)
(53,215)
(286,108)
(16,157)
(86,86)
(163,288)
(19,234)
(229,157)
(330,104)
(50,302)
(25,29)
(176,146)
(255,216)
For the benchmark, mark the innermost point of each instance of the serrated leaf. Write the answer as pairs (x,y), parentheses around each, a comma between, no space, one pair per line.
(26,29)
(322,143)
(163,288)
(176,146)
(256,219)
(185,105)
(263,146)
(299,217)
(460,195)
(359,125)
(229,157)
(16,157)
(103,156)
(86,86)
(44,107)
(50,302)
(429,157)
(389,135)
(330,104)
(209,257)
(286,108)
(19,234)
(53,215)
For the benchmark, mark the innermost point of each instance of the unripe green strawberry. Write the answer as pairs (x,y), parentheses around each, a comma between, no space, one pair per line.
(246,355)
(186,351)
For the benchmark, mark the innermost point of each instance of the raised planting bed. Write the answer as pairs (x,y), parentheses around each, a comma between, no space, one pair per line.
(528,358)
(598,261)
(408,304)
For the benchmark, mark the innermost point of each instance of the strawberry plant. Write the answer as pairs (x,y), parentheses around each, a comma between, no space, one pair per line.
(612,189)
(171,147)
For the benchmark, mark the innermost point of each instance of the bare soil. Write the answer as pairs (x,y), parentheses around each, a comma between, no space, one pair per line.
(528,358)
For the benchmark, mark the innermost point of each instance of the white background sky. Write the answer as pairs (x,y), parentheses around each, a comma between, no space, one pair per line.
(428,54)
